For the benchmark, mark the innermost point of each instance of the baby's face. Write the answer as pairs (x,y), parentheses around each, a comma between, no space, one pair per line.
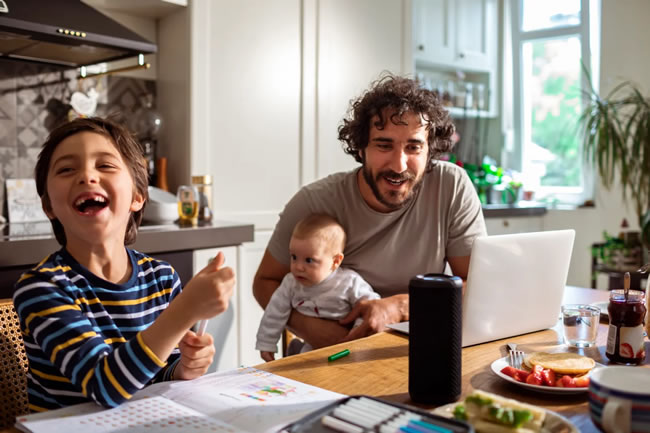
(311,260)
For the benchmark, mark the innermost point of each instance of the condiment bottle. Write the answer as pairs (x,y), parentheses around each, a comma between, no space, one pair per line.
(204,186)
(188,205)
(625,343)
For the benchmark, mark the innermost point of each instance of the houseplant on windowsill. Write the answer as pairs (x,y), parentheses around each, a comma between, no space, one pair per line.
(616,139)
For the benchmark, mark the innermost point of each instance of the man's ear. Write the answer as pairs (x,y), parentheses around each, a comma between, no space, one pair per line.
(338,258)
(138,202)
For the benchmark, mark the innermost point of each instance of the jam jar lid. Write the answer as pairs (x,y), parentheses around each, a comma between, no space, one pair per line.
(632,296)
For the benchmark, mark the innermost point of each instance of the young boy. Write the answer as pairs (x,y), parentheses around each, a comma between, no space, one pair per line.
(100,321)
(316,285)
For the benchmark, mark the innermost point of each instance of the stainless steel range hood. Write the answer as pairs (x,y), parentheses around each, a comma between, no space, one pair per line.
(64,32)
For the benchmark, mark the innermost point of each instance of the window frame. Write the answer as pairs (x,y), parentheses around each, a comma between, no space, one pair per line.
(587,32)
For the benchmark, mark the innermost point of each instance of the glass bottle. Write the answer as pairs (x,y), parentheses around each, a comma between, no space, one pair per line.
(204,186)
(188,205)
(625,343)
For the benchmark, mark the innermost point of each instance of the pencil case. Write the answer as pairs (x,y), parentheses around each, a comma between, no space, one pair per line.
(363,414)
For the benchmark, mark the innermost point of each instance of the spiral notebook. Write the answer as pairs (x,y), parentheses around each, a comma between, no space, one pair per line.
(242,400)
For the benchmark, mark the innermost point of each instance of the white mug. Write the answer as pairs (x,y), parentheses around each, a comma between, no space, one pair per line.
(613,394)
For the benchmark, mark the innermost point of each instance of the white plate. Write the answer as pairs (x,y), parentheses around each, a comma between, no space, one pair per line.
(603,308)
(498,365)
(553,422)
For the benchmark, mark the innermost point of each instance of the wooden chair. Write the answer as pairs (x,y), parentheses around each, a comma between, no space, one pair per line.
(13,367)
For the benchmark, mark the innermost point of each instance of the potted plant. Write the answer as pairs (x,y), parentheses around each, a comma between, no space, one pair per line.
(616,139)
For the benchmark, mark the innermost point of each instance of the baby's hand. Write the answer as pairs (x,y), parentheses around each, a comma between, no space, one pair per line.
(267,356)
(197,353)
(208,293)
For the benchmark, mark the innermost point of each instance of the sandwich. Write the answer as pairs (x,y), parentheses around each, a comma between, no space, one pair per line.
(491,413)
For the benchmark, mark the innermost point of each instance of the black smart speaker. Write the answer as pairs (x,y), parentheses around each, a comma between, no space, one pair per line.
(435,333)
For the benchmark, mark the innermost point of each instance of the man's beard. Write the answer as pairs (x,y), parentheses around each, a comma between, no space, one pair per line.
(407,176)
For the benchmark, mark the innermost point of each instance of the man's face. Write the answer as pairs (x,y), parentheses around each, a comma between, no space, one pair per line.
(394,162)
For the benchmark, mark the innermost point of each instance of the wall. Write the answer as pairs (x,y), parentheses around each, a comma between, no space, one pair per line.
(35,98)
(624,56)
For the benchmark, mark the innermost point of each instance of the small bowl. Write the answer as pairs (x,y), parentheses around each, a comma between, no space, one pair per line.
(161,207)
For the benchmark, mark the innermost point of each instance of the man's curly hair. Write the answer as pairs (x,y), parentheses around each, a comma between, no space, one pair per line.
(401,95)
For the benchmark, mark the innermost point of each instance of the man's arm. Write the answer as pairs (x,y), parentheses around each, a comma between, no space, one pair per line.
(459,266)
(317,332)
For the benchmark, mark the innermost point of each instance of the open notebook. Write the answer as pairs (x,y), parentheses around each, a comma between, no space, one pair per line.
(515,285)
(242,400)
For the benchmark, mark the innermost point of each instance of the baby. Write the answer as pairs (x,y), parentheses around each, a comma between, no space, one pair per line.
(316,285)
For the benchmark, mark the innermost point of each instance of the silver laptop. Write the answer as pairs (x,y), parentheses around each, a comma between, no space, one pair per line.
(515,285)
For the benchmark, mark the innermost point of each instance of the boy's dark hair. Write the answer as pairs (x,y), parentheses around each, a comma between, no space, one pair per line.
(125,143)
(403,95)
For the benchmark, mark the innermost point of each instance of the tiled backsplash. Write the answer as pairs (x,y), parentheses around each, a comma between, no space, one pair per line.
(35,98)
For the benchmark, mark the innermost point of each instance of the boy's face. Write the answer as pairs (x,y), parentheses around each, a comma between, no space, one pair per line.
(312,260)
(91,190)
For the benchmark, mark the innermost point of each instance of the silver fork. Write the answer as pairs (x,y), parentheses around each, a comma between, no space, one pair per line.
(515,357)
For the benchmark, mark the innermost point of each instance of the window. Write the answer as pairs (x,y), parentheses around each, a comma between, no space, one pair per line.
(551,64)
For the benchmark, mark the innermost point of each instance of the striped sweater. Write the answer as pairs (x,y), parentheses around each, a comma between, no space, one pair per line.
(82,333)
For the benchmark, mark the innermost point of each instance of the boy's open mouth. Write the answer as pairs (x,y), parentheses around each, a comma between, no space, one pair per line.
(90,204)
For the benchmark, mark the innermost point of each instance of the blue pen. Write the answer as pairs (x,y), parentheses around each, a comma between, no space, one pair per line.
(425,427)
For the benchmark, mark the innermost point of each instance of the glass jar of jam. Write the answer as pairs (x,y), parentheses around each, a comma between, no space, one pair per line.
(625,343)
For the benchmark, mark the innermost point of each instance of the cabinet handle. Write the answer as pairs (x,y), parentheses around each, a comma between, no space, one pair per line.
(421,47)
(461,55)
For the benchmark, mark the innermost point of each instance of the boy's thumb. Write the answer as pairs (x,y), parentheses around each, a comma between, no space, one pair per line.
(215,263)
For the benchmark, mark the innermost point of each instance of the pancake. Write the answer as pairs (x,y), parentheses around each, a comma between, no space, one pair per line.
(562,363)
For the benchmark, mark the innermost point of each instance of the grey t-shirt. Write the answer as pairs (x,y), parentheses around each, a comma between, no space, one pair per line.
(388,249)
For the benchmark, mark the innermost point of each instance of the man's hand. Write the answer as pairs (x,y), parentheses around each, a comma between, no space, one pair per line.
(267,356)
(376,314)
(197,353)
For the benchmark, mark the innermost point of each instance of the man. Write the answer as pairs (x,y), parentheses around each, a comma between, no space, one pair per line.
(405,212)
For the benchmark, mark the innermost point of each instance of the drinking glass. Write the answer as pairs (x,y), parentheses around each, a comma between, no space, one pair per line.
(580,324)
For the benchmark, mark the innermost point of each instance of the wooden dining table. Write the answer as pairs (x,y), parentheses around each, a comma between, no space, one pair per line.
(378,366)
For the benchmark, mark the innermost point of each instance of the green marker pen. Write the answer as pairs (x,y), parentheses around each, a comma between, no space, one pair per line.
(336,356)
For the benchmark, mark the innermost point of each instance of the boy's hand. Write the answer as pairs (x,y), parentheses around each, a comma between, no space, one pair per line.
(267,356)
(197,353)
(208,293)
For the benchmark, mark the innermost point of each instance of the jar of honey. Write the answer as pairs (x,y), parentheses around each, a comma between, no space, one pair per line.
(625,338)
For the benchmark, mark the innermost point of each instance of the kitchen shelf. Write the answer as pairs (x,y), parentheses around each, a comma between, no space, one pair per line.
(457,112)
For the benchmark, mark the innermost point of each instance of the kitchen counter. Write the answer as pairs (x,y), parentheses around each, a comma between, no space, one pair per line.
(519,209)
(23,245)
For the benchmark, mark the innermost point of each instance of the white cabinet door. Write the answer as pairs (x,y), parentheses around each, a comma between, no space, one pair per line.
(250,313)
(476,34)
(504,226)
(433,36)
(460,34)
(223,328)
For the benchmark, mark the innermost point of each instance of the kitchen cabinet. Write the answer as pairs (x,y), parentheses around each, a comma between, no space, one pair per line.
(510,225)
(460,34)
(455,43)
(224,327)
